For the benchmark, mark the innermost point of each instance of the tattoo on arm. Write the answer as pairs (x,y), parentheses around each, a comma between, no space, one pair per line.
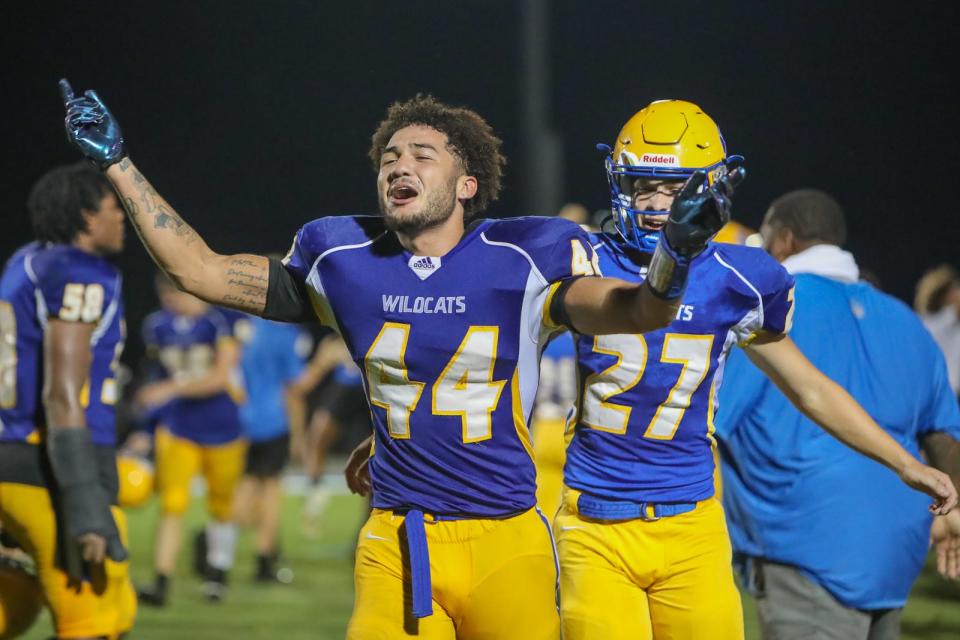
(166,219)
(238,281)
(131,206)
(248,284)
(151,203)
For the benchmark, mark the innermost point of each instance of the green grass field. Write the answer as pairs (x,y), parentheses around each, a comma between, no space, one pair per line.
(318,602)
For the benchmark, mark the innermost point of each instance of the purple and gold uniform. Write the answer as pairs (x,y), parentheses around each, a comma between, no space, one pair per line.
(450,351)
(195,435)
(60,281)
(642,540)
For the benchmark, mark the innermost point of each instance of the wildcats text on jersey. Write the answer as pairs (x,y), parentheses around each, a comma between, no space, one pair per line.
(424,304)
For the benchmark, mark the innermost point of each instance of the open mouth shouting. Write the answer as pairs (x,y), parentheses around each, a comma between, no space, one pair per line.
(402,192)
(655,220)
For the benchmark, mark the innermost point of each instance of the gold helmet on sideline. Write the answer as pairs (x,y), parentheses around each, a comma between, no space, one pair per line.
(136,481)
(20,597)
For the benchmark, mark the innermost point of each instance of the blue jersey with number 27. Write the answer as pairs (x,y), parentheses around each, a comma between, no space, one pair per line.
(645,421)
(449,347)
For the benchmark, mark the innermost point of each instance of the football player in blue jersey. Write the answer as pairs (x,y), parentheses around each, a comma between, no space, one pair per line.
(445,313)
(643,545)
(198,430)
(61,335)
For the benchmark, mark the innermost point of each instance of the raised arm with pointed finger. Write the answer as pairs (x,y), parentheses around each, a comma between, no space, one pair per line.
(239,281)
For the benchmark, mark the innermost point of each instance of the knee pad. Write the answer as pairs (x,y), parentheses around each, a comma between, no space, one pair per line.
(175,500)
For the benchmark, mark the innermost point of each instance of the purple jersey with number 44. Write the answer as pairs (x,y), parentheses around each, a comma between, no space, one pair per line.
(449,347)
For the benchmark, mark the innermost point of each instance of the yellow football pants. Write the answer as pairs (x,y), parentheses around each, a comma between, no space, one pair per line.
(104,606)
(179,460)
(632,579)
(491,579)
(549,451)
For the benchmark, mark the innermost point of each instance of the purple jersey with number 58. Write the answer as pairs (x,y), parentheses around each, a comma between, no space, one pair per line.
(41,282)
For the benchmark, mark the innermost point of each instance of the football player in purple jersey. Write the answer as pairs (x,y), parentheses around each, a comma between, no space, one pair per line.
(61,335)
(445,313)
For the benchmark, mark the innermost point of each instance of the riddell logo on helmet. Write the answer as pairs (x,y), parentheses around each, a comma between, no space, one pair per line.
(660,159)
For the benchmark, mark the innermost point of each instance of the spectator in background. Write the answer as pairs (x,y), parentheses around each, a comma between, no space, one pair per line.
(273,360)
(341,410)
(829,541)
(937,301)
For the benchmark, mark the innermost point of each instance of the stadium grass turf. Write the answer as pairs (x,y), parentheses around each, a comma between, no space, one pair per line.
(318,602)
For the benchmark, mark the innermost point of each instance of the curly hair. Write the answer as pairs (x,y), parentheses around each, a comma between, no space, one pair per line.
(57,200)
(469,138)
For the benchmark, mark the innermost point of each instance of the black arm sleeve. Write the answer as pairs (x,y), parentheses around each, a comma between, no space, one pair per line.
(558,306)
(287,298)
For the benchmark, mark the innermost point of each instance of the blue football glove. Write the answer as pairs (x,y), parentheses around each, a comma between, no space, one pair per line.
(91,127)
(697,213)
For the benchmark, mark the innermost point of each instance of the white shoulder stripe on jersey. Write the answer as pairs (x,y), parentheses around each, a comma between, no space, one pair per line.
(28,267)
(107,317)
(748,283)
(38,296)
(526,255)
(344,248)
(313,276)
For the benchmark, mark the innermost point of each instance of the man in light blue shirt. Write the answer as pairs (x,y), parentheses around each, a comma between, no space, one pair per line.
(273,360)
(828,540)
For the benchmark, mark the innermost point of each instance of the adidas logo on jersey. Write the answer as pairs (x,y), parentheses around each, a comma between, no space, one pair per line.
(424,266)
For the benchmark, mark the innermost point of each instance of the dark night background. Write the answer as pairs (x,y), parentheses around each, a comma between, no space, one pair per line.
(254,117)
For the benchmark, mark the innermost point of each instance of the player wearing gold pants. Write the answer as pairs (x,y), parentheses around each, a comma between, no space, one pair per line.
(104,606)
(179,460)
(478,567)
(619,575)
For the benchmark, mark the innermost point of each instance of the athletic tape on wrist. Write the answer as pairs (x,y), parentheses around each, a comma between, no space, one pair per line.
(667,275)
(72,456)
